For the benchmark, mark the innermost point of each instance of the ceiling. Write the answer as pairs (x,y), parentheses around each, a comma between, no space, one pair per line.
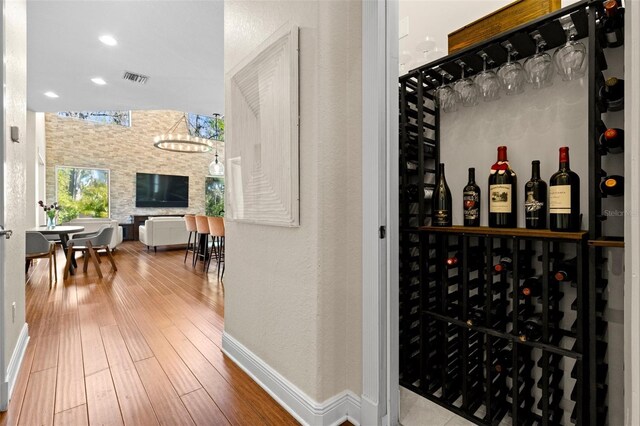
(177,43)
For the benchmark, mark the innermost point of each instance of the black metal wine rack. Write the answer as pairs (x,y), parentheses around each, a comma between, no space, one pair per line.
(454,322)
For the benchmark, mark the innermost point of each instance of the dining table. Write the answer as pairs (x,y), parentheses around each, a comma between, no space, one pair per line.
(63,232)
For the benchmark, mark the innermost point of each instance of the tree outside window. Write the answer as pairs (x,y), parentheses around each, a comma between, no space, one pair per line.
(82,192)
(214,196)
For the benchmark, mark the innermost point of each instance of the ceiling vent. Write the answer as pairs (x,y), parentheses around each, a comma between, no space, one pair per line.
(136,78)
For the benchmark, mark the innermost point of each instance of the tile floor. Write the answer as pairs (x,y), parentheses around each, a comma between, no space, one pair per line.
(418,411)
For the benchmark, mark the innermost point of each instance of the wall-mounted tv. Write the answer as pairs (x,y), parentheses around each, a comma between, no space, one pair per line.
(154,190)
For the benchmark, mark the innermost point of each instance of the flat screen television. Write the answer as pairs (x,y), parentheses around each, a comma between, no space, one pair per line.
(154,190)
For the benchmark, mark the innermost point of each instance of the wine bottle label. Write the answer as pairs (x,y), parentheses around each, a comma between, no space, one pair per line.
(612,37)
(500,198)
(560,199)
(441,217)
(532,205)
(471,210)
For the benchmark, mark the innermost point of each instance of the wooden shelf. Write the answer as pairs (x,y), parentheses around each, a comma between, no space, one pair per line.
(613,242)
(505,232)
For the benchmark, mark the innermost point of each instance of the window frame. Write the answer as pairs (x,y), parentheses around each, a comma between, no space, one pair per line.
(61,166)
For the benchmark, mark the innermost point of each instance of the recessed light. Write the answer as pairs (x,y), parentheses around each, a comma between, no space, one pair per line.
(108,40)
(51,95)
(99,81)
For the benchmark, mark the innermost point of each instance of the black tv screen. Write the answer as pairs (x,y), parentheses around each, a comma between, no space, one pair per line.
(161,190)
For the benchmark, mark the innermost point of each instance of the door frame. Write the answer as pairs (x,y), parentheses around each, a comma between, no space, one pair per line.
(380,236)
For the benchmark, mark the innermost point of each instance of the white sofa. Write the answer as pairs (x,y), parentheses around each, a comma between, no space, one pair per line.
(163,231)
(94,224)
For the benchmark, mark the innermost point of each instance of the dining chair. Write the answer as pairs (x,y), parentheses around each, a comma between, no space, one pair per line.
(190,221)
(216,230)
(202,226)
(89,244)
(37,246)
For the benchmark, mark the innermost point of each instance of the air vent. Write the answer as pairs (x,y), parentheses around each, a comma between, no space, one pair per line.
(136,78)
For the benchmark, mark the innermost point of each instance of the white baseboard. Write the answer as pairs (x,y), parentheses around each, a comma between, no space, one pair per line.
(333,411)
(14,367)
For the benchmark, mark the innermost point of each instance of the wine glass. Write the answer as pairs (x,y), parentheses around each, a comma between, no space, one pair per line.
(511,74)
(447,99)
(570,59)
(539,67)
(488,81)
(467,88)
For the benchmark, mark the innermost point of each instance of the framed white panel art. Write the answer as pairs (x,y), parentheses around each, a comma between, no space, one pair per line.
(262,132)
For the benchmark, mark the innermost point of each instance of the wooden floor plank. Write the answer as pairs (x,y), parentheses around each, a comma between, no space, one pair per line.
(140,346)
(39,399)
(76,416)
(70,391)
(203,410)
(134,403)
(94,357)
(46,353)
(102,403)
(166,403)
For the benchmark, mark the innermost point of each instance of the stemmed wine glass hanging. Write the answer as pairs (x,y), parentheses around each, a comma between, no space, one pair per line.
(538,70)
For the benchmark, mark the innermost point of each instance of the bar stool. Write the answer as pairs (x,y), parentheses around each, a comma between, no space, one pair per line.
(190,221)
(216,230)
(202,226)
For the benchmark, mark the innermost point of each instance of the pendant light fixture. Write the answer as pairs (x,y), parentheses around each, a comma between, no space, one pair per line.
(175,141)
(216,168)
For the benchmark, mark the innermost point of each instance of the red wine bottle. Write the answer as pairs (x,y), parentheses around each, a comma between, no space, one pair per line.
(612,94)
(613,26)
(475,258)
(612,140)
(564,196)
(612,186)
(502,193)
(535,199)
(531,287)
(566,270)
(471,200)
(442,201)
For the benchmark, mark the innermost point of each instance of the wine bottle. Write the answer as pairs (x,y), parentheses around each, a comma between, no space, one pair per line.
(506,264)
(612,186)
(442,201)
(613,27)
(564,196)
(612,140)
(502,193)
(531,287)
(471,200)
(531,329)
(612,94)
(535,202)
(475,258)
(566,270)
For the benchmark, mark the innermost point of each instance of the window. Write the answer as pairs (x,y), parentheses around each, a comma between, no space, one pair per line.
(82,192)
(214,196)
(205,127)
(122,118)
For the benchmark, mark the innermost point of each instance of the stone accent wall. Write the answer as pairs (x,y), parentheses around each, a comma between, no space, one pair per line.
(125,151)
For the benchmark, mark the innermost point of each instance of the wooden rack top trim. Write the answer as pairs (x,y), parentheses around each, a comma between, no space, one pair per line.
(613,242)
(506,232)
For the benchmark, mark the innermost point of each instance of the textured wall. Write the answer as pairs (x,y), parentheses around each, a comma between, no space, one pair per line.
(301,297)
(14,105)
(125,151)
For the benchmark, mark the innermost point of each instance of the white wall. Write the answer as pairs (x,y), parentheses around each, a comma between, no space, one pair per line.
(293,295)
(14,107)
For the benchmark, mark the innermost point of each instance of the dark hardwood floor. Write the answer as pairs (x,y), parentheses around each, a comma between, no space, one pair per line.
(139,347)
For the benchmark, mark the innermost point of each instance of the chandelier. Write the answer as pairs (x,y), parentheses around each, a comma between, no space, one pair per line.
(216,168)
(175,141)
